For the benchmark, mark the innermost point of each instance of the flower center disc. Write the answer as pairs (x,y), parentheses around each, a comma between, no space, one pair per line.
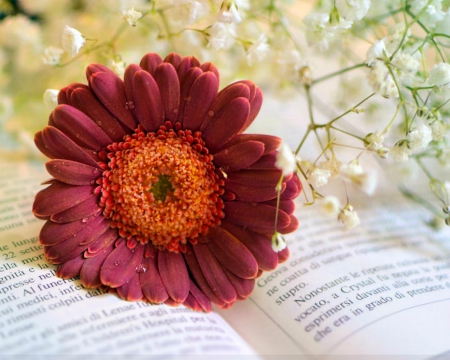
(161,188)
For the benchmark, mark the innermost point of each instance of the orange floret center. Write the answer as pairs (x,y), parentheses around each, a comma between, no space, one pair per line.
(161,188)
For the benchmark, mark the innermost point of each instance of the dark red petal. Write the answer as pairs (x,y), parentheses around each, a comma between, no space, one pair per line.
(226,123)
(239,156)
(54,233)
(78,212)
(169,87)
(64,251)
(255,216)
(94,68)
(174,59)
(72,172)
(259,245)
(131,290)
(59,146)
(252,193)
(107,237)
(151,283)
(271,143)
(197,273)
(121,265)
(150,62)
(187,63)
(224,97)
(185,87)
(110,90)
(293,188)
(85,101)
(267,162)
(147,101)
(283,255)
(211,67)
(293,225)
(59,197)
(258,178)
(128,79)
(70,268)
(255,106)
(174,274)
(214,273)
(288,206)
(231,253)
(90,271)
(201,300)
(243,287)
(201,96)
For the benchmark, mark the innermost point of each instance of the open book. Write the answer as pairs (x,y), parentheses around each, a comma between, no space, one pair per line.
(383,288)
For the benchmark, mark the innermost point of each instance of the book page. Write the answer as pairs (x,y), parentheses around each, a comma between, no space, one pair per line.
(382,288)
(43,314)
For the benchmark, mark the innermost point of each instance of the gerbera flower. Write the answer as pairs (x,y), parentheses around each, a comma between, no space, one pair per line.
(156,192)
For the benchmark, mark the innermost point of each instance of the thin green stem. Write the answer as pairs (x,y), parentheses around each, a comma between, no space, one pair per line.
(336,73)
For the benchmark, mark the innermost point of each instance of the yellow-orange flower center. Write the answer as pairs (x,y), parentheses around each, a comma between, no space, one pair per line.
(161,188)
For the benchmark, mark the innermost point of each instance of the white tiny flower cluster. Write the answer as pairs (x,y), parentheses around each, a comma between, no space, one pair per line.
(331,206)
(286,160)
(354,173)
(417,140)
(352,10)
(72,40)
(131,16)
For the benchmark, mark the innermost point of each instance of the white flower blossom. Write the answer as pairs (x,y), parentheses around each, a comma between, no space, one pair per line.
(433,11)
(286,160)
(440,75)
(382,81)
(72,40)
(419,137)
(278,242)
(131,16)
(188,11)
(258,51)
(229,13)
(330,206)
(405,64)
(118,67)
(51,98)
(332,165)
(52,55)
(316,29)
(374,141)
(354,173)
(352,10)
(439,129)
(375,52)
(400,151)
(318,177)
(348,217)
(217,36)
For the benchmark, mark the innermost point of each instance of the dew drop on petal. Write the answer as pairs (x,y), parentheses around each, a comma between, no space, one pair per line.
(210,113)
(84,220)
(99,123)
(117,263)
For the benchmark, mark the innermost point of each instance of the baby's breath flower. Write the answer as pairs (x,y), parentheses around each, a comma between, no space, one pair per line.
(316,29)
(131,16)
(278,242)
(72,40)
(51,98)
(118,67)
(400,151)
(352,10)
(375,52)
(348,217)
(286,161)
(258,51)
(332,165)
(52,55)
(433,11)
(217,36)
(439,129)
(440,75)
(318,177)
(419,137)
(405,63)
(354,173)
(228,13)
(330,206)
(382,81)
(374,141)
